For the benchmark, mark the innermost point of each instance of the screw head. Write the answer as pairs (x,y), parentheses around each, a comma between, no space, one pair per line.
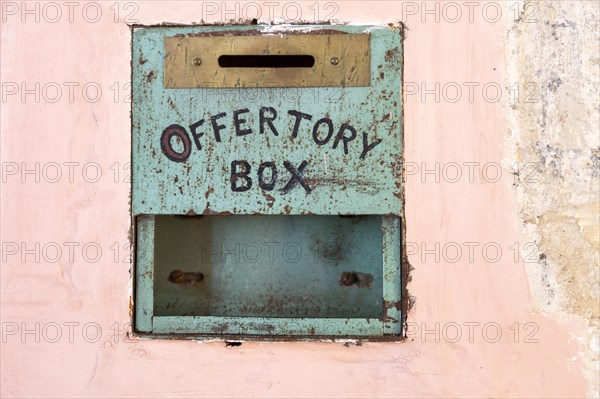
(335,60)
(197,61)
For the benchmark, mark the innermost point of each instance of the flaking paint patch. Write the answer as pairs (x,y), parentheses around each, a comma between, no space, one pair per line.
(556,132)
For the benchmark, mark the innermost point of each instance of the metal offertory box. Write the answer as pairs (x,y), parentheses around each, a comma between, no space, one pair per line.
(266,181)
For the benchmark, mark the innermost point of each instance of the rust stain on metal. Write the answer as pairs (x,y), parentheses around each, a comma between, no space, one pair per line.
(185,278)
(354,279)
(207,211)
(391,55)
(270,199)
(150,77)
(398,305)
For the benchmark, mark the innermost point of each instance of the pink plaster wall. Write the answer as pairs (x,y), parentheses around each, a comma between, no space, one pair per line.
(81,291)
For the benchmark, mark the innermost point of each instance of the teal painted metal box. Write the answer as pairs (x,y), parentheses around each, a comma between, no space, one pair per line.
(266,184)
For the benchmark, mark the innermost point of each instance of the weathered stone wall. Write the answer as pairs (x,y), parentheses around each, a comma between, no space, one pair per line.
(553,58)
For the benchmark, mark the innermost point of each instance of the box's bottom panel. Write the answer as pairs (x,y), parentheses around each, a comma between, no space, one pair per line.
(269,266)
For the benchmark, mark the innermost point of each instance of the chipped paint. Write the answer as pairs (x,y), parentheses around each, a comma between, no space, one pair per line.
(554,138)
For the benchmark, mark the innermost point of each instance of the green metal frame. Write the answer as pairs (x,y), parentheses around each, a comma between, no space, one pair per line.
(390,324)
(345,184)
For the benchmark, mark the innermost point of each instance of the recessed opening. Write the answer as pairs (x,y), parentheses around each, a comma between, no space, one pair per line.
(269,266)
(266,61)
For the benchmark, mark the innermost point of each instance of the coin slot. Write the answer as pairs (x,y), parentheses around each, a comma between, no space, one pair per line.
(266,61)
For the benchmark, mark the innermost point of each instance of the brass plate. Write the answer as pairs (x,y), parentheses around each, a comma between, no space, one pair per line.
(340,60)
